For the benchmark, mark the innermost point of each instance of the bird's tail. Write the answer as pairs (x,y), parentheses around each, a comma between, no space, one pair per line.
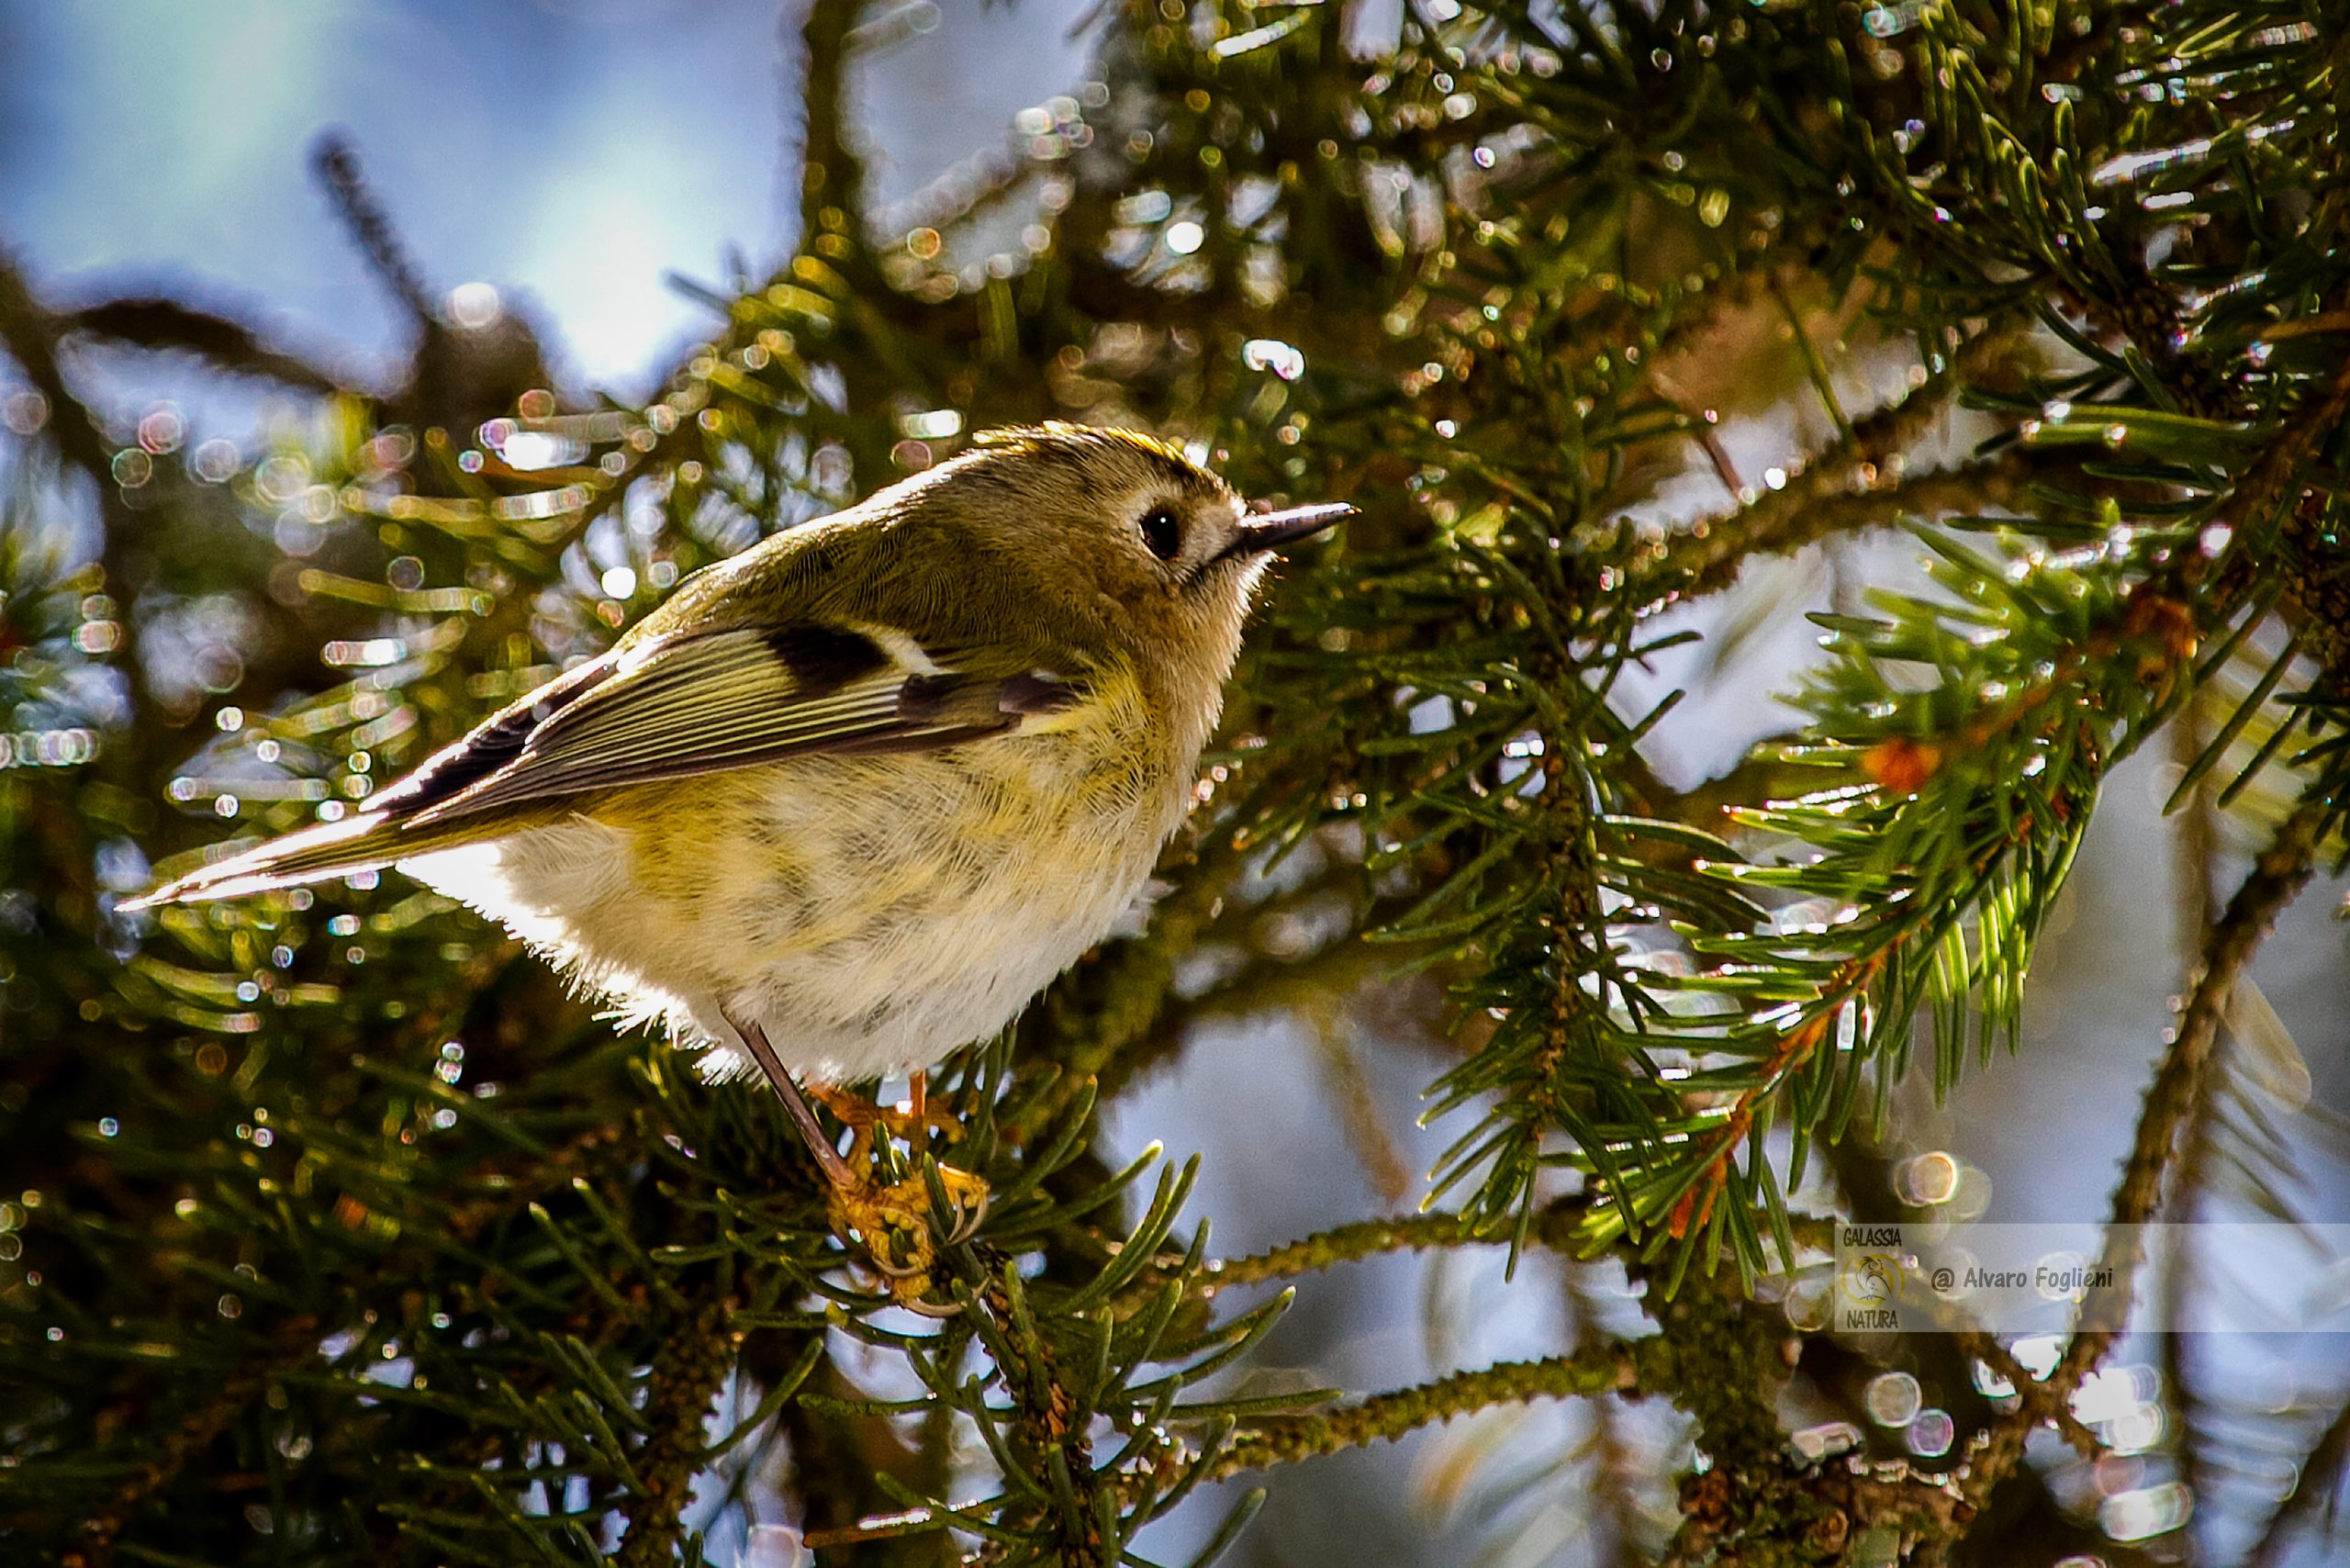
(362,843)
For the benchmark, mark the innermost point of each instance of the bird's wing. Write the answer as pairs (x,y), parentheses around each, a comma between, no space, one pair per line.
(704,701)
(665,706)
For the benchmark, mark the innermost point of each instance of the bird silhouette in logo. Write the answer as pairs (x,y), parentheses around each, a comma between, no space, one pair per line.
(1872,1280)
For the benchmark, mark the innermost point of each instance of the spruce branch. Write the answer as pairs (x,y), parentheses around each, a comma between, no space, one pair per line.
(1859,481)
(2316,1481)
(1606,1368)
(696,1357)
(222,342)
(2092,693)
(1553,1227)
(2278,874)
(1556,1226)
(334,157)
(832,173)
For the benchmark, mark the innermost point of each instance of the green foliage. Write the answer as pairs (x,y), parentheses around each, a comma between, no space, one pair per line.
(335,1228)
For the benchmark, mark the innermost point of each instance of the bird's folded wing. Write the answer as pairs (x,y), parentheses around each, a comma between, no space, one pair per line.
(702,701)
(666,706)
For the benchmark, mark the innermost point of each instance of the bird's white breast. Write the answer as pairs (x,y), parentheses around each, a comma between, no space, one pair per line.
(870,913)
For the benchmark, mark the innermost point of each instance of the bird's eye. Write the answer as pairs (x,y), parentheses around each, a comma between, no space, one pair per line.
(1162,533)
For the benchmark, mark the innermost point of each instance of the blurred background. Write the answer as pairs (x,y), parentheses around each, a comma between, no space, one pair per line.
(573,157)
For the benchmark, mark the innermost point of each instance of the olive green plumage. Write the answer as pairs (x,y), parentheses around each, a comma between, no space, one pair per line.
(868,785)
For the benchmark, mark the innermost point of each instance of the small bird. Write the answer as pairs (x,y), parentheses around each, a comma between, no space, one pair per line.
(848,799)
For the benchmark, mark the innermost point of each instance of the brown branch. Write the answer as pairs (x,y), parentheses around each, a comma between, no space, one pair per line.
(2277,876)
(335,159)
(2178,1085)
(1847,486)
(222,342)
(2196,842)
(2035,1401)
(2314,1484)
(832,175)
(31,335)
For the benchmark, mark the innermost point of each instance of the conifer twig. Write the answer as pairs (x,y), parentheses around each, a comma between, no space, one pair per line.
(2277,875)
(2315,1481)
(2196,846)
(336,160)
(686,1379)
(1839,489)
(222,342)
(831,173)
(1609,1367)
(1553,1227)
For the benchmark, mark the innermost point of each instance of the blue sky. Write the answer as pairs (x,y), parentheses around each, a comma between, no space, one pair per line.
(572,154)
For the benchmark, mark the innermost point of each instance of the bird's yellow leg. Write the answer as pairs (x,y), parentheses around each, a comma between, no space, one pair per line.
(892,1221)
(917,1100)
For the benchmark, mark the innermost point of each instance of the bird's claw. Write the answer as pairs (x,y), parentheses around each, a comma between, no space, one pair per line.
(897,1225)
(901,1234)
(973,1217)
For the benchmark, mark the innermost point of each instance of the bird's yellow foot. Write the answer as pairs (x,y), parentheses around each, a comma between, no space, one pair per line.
(894,1221)
(894,1224)
(911,1121)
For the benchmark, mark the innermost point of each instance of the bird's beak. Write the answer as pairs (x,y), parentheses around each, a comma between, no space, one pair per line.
(1263,531)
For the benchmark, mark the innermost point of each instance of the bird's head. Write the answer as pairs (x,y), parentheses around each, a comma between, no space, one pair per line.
(1120,541)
